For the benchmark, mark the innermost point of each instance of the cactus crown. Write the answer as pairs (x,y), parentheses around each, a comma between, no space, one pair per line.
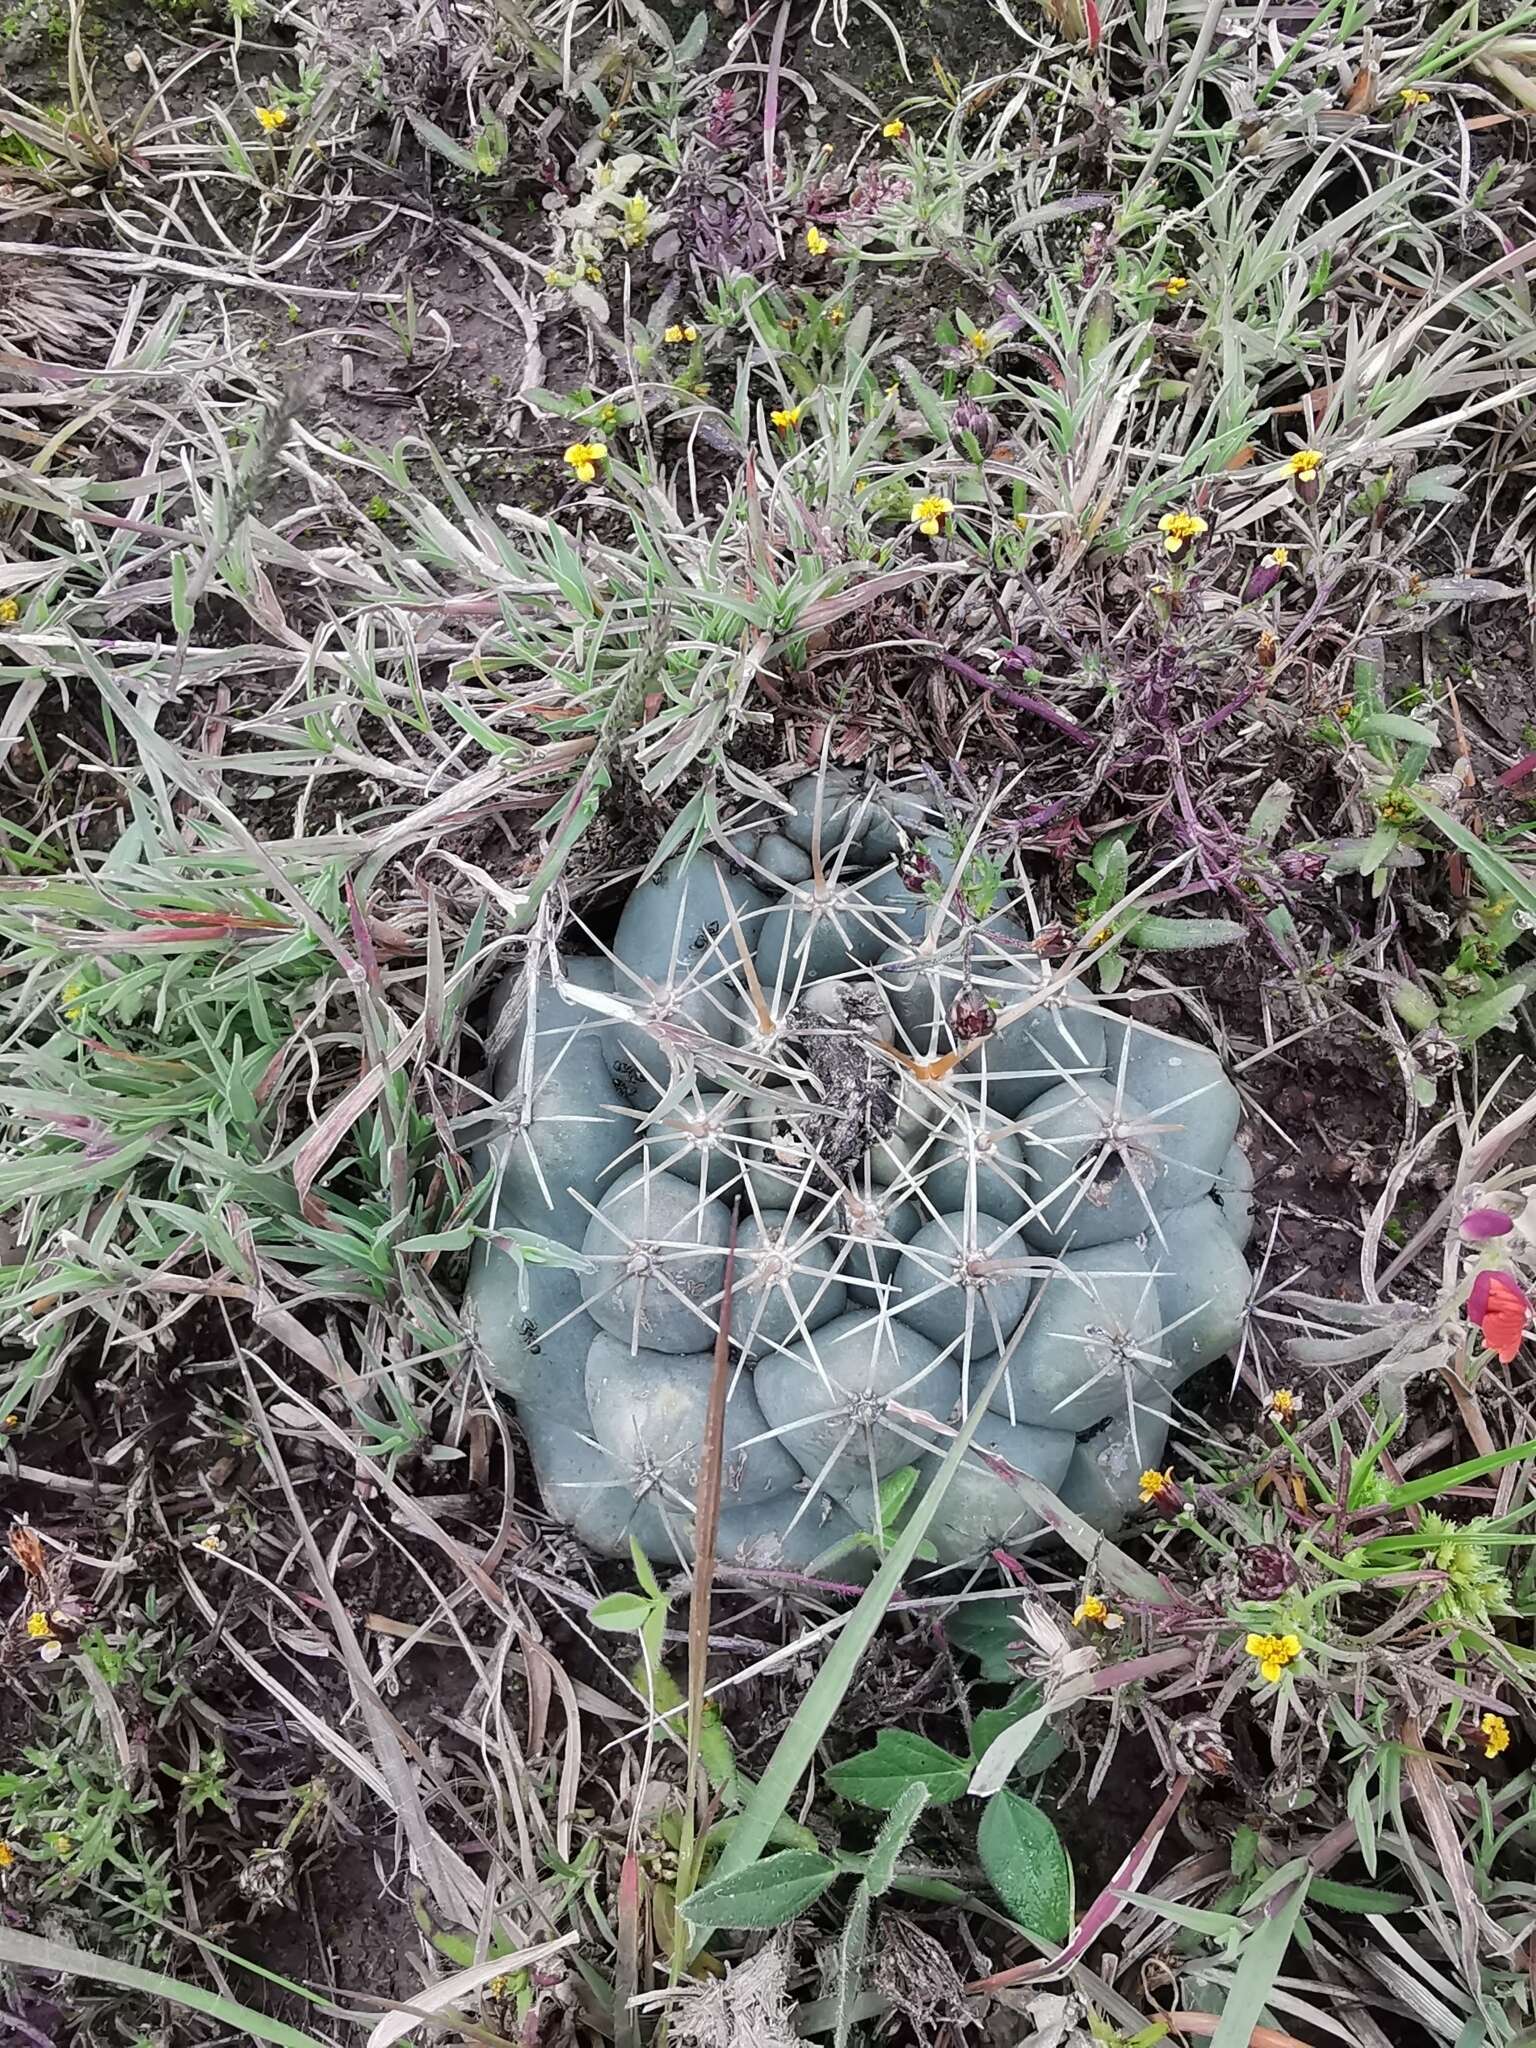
(937,1148)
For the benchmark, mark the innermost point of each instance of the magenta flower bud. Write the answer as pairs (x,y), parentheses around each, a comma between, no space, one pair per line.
(1479,1224)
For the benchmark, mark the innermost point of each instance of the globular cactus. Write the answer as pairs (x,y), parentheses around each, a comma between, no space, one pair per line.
(834,1064)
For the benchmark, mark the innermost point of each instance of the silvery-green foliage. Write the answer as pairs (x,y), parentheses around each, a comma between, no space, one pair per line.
(837,1046)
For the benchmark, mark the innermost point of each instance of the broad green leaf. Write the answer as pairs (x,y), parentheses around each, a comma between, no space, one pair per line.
(878,1777)
(989,1631)
(768,1893)
(625,1611)
(1026,1865)
(992,1722)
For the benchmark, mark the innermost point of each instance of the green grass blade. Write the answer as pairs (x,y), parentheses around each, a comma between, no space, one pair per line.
(31,1952)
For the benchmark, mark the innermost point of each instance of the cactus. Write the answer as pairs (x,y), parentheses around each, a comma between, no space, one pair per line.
(834,1068)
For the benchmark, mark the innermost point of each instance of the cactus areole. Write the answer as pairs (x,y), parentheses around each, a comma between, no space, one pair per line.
(837,1052)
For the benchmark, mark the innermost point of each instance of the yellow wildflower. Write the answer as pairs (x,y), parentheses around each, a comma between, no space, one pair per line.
(816,241)
(1283,1404)
(7,1855)
(1277,558)
(1272,1654)
(10,611)
(584,458)
(786,418)
(1161,1490)
(39,1627)
(61,1845)
(1412,96)
(836,316)
(594,273)
(678,332)
(211,1541)
(929,515)
(1494,1730)
(1096,1612)
(1179,529)
(10,1422)
(893,131)
(272,118)
(1173,286)
(1305,462)
(980,340)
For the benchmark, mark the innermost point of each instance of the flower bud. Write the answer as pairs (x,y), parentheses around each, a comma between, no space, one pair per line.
(917,869)
(1199,1747)
(1435,1052)
(1265,1572)
(970,1015)
(1266,574)
(1297,866)
(971,418)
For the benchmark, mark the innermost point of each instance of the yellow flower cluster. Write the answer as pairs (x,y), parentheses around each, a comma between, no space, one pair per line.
(1179,529)
(1304,465)
(929,515)
(272,118)
(1272,1654)
(680,331)
(1494,1730)
(816,241)
(10,611)
(893,131)
(1097,1613)
(584,457)
(1413,96)
(786,418)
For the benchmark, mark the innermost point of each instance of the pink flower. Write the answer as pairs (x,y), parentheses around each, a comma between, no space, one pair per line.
(1479,1224)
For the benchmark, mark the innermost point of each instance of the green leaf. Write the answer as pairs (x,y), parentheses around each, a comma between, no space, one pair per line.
(181,611)
(628,1612)
(1155,934)
(58,1959)
(430,136)
(1358,1898)
(892,1838)
(878,1777)
(1200,1919)
(989,1631)
(895,1492)
(1391,725)
(769,1893)
(1260,1964)
(851,1949)
(1026,1865)
(991,1722)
